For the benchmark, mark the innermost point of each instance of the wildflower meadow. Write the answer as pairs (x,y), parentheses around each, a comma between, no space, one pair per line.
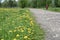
(19,24)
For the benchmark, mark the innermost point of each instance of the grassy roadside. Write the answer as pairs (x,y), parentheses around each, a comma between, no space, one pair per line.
(18,24)
(53,9)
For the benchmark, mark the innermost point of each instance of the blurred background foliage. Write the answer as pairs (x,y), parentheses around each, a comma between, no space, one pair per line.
(29,3)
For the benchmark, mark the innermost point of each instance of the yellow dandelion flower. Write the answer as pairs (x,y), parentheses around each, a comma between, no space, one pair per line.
(31,24)
(16,27)
(31,21)
(29,31)
(14,30)
(19,26)
(25,37)
(29,28)
(28,38)
(2,39)
(17,35)
(27,16)
(10,30)
(22,30)
(14,39)
(30,18)
(19,30)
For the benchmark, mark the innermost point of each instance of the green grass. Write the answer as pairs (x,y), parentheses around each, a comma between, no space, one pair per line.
(18,24)
(53,9)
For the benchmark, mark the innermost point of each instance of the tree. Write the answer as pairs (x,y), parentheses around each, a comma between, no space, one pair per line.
(10,3)
(0,3)
(53,3)
(22,3)
(59,3)
(34,3)
(5,3)
(14,3)
(44,2)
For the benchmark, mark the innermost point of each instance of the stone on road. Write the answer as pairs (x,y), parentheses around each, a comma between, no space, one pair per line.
(49,21)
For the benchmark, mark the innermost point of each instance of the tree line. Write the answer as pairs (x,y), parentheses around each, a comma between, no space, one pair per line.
(29,3)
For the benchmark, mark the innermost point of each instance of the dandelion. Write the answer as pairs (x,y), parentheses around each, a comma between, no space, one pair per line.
(27,16)
(2,39)
(10,30)
(29,28)
(16,27)
(25,37)
(31,22)
(22,30)
(17,35)
(29,38)
(30,18)
(29,31)
(14,30)
(19,30)
(19,26)
(14,39)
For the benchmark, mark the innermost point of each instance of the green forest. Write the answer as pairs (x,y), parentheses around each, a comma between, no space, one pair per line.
(29,3)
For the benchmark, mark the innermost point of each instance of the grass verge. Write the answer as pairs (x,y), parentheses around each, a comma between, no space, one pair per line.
(18,24)
(53,9)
